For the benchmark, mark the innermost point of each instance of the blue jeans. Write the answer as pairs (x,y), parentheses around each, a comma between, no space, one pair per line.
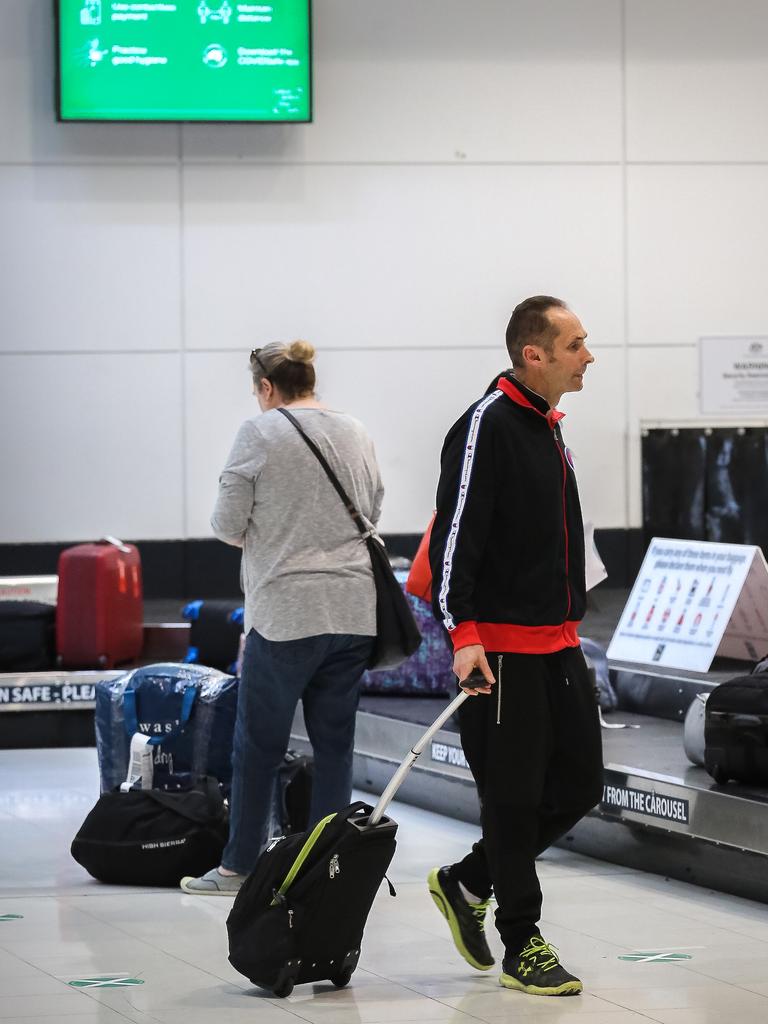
(324,672)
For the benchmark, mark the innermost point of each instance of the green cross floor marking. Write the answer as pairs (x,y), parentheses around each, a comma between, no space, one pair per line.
(655,958)
(107,981)
(11,917)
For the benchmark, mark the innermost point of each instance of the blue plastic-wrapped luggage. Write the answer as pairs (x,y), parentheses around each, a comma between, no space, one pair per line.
(194,707)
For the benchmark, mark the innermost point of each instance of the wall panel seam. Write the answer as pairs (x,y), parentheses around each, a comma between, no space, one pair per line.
(182,300)
(625,261)
(238,350)
(234,162)
(251,163)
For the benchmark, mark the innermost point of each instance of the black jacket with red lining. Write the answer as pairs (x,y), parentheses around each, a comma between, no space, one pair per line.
(507,546)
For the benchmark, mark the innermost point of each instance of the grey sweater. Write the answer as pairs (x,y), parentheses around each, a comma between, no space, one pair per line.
(305,569)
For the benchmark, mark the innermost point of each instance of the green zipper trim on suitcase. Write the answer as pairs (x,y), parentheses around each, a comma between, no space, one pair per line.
(304,852)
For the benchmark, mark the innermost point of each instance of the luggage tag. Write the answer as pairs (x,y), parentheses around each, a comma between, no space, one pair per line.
(140,764)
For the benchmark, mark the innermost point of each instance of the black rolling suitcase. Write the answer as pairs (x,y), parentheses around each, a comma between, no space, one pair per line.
(299,917)
(736,731)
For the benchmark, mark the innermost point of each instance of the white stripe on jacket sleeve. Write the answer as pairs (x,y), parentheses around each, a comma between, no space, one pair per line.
(466,473)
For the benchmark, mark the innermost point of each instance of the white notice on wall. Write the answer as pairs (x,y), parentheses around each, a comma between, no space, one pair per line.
(692,600)
(734,376)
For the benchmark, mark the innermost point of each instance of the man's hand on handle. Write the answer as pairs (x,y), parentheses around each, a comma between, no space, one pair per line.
(472,659)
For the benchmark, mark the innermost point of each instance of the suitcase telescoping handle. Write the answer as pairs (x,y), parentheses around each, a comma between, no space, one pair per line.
(406,764)
(116,543)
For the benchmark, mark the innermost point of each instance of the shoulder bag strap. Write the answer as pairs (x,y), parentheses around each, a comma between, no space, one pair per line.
(356,517)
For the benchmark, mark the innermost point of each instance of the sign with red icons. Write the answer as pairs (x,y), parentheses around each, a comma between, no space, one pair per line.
(693,600)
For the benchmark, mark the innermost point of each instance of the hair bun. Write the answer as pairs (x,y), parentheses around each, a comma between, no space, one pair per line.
(300,352)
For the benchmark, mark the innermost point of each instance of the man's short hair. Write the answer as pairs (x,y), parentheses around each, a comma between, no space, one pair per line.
(530,325)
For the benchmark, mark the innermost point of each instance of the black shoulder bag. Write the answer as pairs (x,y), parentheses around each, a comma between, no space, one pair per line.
(397,635)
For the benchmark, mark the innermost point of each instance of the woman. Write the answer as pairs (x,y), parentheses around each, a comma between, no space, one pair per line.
(310,604)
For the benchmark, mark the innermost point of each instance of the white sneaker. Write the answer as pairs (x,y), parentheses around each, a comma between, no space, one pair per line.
(213,883)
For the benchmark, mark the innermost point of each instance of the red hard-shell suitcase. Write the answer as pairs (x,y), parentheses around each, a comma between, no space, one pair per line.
(100,610)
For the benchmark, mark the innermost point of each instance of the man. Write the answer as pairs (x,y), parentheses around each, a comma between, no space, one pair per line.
(507,558)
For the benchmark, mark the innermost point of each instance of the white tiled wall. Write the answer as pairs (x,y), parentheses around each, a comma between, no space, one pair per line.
(91,446)
(614,152)
(444,81)
(697,80)
(90,258)
(697,251)
(363,256)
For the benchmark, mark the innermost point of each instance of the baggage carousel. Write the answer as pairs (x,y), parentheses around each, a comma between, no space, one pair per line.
(659,813)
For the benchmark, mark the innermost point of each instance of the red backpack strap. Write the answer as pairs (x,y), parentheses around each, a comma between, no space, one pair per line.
(419,582)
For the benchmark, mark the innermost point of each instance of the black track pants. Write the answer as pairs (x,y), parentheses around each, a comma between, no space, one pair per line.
(534,747)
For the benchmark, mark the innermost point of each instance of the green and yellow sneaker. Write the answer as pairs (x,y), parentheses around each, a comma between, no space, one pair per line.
(538,971)
(466,920)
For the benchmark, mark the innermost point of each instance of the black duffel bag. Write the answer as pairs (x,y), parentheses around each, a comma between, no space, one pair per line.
(153,836)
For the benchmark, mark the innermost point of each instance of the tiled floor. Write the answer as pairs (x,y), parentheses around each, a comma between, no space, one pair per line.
(69,927)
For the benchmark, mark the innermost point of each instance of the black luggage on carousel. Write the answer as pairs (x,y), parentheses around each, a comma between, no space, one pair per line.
(299,917)
(27,636)
(214,633)
(736,731)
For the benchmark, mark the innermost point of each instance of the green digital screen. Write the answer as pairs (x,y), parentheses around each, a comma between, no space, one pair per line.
(193,60)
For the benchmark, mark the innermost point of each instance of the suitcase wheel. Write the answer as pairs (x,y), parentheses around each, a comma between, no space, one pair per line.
(103,661)
(346,969)
(719,774)
(286,979)
(342,978)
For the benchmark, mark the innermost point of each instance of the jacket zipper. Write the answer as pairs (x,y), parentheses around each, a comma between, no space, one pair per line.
(565,524)
(498,693)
